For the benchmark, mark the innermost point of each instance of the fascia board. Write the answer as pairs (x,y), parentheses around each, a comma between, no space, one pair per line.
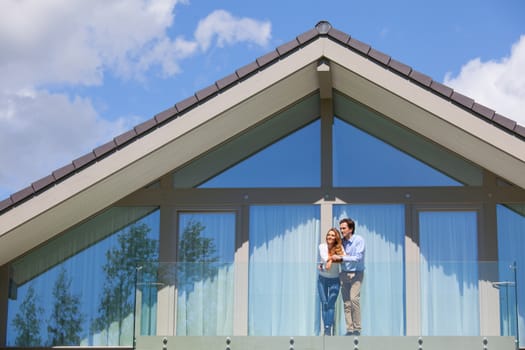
(146,159)
(427,114)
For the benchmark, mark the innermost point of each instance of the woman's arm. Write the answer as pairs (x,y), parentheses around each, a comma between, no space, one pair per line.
(323,252)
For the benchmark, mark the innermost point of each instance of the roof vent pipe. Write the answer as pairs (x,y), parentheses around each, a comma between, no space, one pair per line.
(323,27)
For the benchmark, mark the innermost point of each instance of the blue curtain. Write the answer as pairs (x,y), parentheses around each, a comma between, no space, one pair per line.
(383,292)
(511,240)
(205,273)
(282,270)
(147,288)
(449,273)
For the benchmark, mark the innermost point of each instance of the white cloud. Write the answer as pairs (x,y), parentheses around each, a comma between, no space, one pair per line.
(229,30)
(75,43)
(167,54)
(497,84)
(42,132)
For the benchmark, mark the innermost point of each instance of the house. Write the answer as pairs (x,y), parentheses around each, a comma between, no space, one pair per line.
(202,223)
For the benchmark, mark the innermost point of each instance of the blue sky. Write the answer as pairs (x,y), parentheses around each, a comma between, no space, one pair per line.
(74,74)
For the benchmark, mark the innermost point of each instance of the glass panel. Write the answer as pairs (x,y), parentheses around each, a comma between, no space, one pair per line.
(274,318)
(383,292)
(361,160)
(511,240)
(449,273)
(403,139)
(242,146)
(86,299)
(205,273)
(291,162)
(282,270)
(75,240)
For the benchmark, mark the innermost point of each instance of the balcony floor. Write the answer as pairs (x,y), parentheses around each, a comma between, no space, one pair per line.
(328,343)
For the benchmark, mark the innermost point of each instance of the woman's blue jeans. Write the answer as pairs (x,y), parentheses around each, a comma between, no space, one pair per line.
(328,291)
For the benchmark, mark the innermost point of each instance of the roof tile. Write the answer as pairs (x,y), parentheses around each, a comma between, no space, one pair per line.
(520,130)
(484,111)
(83,160)
(6,203)
(22,194)
(289,46)
(307,36)
(399,67)
(64,171)
(187,103)
(379,56)
(105,148)
(247,69)
(206,92)
(165,115)
(43,182)
(125,137)
(441,89)
(359,46)
(462,99)
(269,57)
(339,36)
(227,81)
(504,121)
(145,126)
(421,78)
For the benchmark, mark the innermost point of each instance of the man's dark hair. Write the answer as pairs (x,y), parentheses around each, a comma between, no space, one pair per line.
(349,222)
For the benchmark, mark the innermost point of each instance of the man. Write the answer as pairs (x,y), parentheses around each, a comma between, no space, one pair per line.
(351,276)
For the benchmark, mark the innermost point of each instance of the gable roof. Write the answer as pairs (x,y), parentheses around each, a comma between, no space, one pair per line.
(320,59)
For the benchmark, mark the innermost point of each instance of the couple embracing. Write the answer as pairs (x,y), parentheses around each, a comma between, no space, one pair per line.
(341,268)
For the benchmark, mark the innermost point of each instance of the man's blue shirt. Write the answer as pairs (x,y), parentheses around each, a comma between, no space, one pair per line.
(354,258)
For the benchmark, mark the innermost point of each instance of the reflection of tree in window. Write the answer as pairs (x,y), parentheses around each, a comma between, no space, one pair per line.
(66,319)
(27,321)
(197,255)
(134,249)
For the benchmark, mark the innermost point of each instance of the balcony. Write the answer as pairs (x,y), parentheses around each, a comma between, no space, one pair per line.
(445,305)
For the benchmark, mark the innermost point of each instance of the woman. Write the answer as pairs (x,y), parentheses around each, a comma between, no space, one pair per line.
(328,279)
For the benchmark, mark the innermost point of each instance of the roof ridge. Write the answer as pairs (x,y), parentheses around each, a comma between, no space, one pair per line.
(322,29)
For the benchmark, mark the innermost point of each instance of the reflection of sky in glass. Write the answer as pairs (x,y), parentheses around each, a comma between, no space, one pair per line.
(361,160)
(291,162)
(87,279)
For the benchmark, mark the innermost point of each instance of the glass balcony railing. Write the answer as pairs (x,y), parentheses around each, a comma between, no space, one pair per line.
(423,305)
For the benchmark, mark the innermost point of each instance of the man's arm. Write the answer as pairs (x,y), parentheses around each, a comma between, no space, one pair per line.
(358,252)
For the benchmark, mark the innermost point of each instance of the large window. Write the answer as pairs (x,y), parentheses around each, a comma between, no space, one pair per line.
(291,162)
(449,273)
(370,150)
(282,270)
(361,160)
(84,295)
(383,292)
(205,273)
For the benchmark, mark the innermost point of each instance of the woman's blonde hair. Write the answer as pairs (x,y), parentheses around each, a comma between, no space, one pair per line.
(337,248)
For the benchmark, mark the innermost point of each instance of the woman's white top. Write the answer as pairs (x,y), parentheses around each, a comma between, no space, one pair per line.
(334,268)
